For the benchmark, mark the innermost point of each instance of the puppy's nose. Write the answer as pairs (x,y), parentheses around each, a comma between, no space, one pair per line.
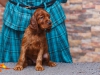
(49,23)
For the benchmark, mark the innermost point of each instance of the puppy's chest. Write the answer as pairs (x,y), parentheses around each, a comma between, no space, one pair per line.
(36,42)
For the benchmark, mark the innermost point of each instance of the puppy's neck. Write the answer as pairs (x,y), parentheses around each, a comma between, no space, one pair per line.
(38,32)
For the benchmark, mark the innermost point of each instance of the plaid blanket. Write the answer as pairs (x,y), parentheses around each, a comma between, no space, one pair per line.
(15,21)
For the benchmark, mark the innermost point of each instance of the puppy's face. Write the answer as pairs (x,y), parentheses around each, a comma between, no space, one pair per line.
(42,19)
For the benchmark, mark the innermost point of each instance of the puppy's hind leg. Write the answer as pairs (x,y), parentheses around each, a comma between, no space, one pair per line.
(47,60)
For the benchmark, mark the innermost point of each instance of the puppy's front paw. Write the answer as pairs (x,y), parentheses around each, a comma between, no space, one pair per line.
(39,68)
(18,68)
(51,64)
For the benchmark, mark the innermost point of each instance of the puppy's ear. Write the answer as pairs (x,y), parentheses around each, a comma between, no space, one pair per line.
(33,24)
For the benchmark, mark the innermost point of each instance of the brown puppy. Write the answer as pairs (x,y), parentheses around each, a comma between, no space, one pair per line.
(34,48)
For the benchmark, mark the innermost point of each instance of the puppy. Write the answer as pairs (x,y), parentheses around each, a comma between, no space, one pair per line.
(34,48)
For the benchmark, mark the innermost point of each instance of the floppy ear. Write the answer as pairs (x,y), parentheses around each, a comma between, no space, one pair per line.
(33,24)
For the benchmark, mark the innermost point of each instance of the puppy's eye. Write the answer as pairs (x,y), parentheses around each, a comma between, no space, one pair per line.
(41,17)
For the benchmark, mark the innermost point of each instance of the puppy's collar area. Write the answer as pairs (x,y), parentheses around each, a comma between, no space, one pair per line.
(47,30)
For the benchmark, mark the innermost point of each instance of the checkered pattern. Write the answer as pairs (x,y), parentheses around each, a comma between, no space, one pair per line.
(62,1)
(22,16)
(58,44)
(15,21)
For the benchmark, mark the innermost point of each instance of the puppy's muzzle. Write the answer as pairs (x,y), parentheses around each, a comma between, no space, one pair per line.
(49,23)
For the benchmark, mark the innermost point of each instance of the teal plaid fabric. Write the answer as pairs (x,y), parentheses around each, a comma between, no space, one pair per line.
(21,18)
(15,21)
